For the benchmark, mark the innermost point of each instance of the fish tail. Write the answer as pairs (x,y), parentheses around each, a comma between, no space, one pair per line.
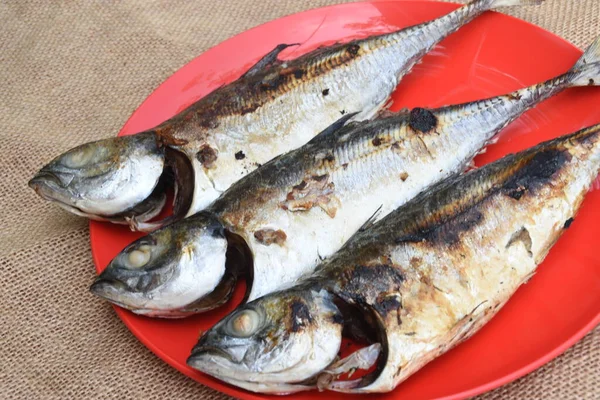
(586,71)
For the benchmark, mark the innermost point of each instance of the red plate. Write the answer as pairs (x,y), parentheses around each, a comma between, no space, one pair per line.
(493,55)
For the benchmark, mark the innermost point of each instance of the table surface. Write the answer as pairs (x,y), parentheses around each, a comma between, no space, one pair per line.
(75,71)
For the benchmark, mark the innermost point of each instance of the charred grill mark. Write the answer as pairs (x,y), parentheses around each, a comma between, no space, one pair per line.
(207,156)
(448,232)
(312,192)
(300,316)
(353,50)
(422,120)
(568,223)
(462,223)
(454,210)
(269,236)
(365,284)
(240,155)
(536,173)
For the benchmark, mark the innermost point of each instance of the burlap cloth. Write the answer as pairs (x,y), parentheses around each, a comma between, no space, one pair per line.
(74,71)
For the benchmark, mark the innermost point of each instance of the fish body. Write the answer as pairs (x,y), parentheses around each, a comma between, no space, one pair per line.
(274,107)
(301,207)
(422,280)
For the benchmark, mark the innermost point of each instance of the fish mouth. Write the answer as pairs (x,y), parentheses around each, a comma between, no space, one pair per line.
(45,184)
(201,351)
(105,288)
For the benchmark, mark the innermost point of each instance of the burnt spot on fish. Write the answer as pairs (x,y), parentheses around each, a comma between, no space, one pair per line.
(517,192)
(448,232)
(249,108)
(269,236)
(343,112)
(207,156)
(273,81)
(592,82)
(536,173)
(395,147)
(411,238)
(515,96)
(388,303)
(523,236)
(312,192)
(299,73)
(353,49)
(329,157)
(422,120)
(165,137)
(376,141)
(337,318)
(363,284)
(209,123)
(345,166)
(325,92)
(240,155)
(568,223)
(403,176)
(300,316)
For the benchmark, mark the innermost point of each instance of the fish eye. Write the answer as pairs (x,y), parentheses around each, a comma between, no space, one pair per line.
(244,324)
(139,257)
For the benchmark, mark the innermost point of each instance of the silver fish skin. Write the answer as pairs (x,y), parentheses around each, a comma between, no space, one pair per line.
(284,218)
(420,281)
(274,107)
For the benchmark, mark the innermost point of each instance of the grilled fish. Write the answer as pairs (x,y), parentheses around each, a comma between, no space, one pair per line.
(420,281)
(277,223)
(274,107)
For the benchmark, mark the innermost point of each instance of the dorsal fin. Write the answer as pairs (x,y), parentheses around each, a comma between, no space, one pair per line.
(371,221)
(268,59)
(337,125)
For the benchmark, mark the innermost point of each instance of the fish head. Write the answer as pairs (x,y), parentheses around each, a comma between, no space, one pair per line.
(272,344)
(103,178)
(172,272)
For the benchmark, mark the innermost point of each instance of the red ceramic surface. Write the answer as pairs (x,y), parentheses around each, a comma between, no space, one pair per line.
(493,55)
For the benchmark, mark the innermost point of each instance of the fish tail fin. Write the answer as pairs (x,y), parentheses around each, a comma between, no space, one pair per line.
(586,71)
(510,3)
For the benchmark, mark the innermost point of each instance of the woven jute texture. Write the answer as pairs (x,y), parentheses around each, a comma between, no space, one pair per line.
(73,72)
